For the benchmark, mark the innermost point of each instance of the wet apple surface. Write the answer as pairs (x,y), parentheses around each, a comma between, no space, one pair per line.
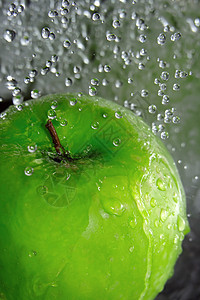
(101,212)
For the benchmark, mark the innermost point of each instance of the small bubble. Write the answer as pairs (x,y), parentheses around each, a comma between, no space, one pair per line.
(164,76)
(96,17)
(28,171)
(152,109)
(67,44)
(9,35)
(51,114)
(118,115)
(95,125)
(116,142)
(45,33)
(32,148)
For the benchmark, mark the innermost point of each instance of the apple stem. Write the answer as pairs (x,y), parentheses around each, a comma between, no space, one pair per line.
(56,141)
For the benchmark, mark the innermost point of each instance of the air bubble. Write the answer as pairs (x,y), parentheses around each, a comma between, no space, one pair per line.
(28,171)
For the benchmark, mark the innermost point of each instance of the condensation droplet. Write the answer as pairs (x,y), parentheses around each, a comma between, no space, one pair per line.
(45,33)
(67,44)
(133,223)
(153,202)
(95,125)
(116,142)
(152,109)
(161,185)
(35,94)
(113,207)
(28,171)
(68,81)
(32,148)
(92,91)
(118,115)
(51,114)
(96,17)
(163,215)
(164,76)
(9,35)
(73,102)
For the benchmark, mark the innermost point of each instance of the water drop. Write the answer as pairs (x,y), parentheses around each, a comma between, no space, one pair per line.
(32,148)
(107,68)
(32,253)
(161,185)
(92,91)
(164,135)
(142,38)
(45,33)
(163,215)
(96,17)
(176,87)
(116,142)
(35,94)
(161,39)
(116,23)
(133,223)
(51,114)
(152,109)
(44,71)
(95,125)
(165,99)
(73,102)
(118,115)
(68,81)
(144,93)
(33,73)
(176,36)
(54,104)
(28,171)
(110,37)
(63,122)
(113,207)
(18,99)
(176,119)
(94,81)
(9,35)
(164,76)
(52,13)
(67,44)
(153,202)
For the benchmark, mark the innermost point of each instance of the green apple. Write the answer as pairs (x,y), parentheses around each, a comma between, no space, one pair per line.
(92,206)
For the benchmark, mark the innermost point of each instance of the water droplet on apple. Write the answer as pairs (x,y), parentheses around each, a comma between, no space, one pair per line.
(180,223)
(105,116)
(32,253)
(28,171)
(63,122)
(95,125)
(54,104)
(131,249)
(161,185)
(73,102)
(133,222)
(42,190)
(116,142)
(153,202)
(176,239)
(35,94)
(51,114)
(113,207)
(175,198)
(163,215)
(32,148)
(118,115)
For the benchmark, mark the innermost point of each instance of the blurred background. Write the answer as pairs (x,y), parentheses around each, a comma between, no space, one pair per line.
(144,55)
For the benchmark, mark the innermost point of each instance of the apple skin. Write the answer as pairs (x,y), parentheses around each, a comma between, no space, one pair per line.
(107,225)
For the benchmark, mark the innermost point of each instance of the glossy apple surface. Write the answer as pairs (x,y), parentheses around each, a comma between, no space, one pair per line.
(106,224)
